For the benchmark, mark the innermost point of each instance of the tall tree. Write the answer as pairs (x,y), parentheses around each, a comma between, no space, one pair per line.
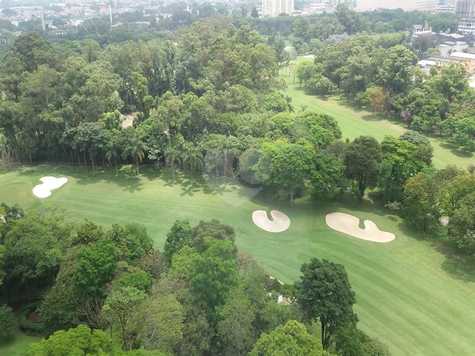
(289,339)
(324,294)
(285,166)
(362,161)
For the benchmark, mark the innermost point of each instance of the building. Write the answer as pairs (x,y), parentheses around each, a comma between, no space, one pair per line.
(465,10)
(273,8)
(436,6)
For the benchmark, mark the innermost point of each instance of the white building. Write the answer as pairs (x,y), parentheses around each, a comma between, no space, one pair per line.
(275,8)
(436,5)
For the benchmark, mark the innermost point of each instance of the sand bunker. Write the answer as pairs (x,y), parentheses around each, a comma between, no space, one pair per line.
(49,184)
(349,224)
(279,222)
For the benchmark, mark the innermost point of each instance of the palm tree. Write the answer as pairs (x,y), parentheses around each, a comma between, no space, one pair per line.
(192,157)
(133,148)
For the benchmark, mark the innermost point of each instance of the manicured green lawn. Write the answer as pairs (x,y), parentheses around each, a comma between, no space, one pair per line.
(18,346)
(355,123)
(405,294)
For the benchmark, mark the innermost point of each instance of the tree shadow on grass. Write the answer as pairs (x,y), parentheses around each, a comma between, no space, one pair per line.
(192,183)
(130,184)
(456,150)
(460,267)
(83,175)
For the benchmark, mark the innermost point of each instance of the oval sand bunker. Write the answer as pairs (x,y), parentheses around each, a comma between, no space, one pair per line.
(350,225)
(48,184)
(279,222)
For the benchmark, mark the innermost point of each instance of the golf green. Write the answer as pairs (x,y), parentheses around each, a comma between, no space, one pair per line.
(408,294)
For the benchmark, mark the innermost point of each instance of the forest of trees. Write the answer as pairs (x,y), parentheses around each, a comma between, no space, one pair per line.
(308,33)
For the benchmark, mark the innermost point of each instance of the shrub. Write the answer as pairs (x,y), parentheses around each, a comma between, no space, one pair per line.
(8,323)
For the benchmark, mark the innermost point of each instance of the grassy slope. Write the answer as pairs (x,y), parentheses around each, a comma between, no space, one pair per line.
(405,296)
(18,346)
(357,123)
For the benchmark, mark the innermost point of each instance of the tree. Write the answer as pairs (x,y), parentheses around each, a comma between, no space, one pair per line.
(289,339)
(456,189)
(33,249)
(353,342)
(2,264)
(324,293)
(320,130)
(328,177)
(209,231)
(235,328)
(396,69)
(33,50)
(95,266)
(131,241)
(180,235)
(376,98)
(120,308)
(402,159)
(78,341)
(420,201)
(285,166)
(214,275)
(161,323)
(8,323)
(132,147)
(362,162)
(462,225)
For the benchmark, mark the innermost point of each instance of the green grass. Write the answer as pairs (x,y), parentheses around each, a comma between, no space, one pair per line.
(18,346)
(409,295)
(354,123)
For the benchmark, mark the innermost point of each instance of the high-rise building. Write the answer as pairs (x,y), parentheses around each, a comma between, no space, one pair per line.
(465,10)
(274,8)
(436,5)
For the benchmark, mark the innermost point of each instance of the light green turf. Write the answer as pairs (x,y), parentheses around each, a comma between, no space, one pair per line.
(405,296)
(18,346)
(355,123)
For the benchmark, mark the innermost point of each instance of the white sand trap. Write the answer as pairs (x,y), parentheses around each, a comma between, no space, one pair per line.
(350,225)
(49,184)
(279,222)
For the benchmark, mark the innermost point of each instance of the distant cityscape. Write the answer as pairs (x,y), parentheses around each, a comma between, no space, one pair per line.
(63,17)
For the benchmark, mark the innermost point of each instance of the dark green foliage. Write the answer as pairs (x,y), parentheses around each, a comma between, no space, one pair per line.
(208,231)
(131,241)
(8,323)
(362,161)
(214,275)
(179,236)
(235,329)
(324,294)
(401,160)
(285,166)
(96,265)
(353,342)
(34,247)
(462,225)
